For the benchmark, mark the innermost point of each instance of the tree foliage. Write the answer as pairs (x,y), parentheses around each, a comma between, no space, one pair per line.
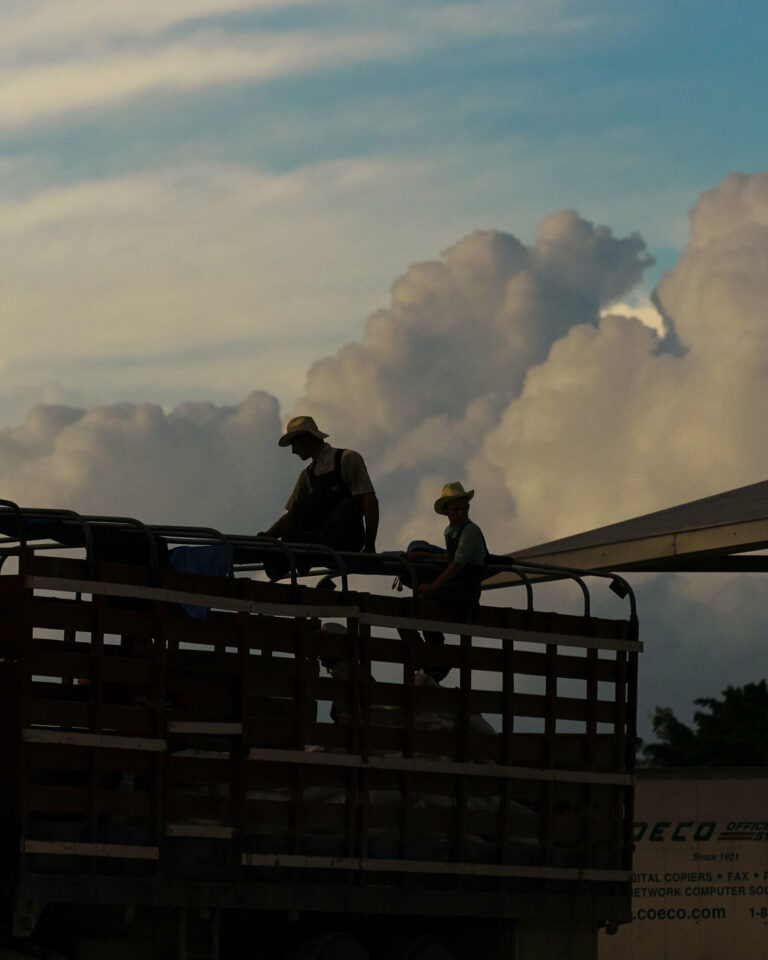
(731,731)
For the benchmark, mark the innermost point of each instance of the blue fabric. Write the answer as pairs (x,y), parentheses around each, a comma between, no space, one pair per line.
(212,561)
(420,545)
(424,547)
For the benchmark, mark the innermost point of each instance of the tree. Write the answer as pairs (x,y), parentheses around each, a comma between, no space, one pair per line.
(727,732)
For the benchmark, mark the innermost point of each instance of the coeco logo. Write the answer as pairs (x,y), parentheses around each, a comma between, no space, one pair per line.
(680,832)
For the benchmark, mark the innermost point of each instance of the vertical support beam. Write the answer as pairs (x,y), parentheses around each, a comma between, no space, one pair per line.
(300,682)
(508,691)
(365,681)
(622,761)
(239,759)
(363,632)
(507,744)
(590,756)
(550,730)
(23,642)
(354,738)
(158,650)
(631,747)
(465,697)
(300,731)
(183,933)
(96,713)
(590,745)
(407,648)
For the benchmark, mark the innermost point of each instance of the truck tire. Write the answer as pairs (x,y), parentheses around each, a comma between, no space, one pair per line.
(423,947)
(328,946)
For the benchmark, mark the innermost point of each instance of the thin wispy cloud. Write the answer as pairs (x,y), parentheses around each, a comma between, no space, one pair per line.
(57,61)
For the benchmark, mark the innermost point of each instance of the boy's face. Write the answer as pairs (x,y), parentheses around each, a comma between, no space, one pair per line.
(457,511)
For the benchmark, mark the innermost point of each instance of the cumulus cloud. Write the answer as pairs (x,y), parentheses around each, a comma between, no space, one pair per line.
(438,368)
(518,369)
(199,464)
(643,310)
(611,425)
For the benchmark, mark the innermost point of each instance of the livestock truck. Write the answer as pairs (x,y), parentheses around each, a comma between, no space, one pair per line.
(181,778)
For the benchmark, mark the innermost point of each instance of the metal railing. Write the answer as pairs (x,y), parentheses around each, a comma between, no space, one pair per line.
(38,529)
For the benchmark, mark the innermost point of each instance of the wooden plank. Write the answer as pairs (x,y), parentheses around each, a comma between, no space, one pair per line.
(197,831)
(163,595)
(67,713)
(48,759)
(108,740)
(184,805)
(66,664)
(436,767)
(434,867)
(87,801)
(66,848)
(213,728)
(501,633)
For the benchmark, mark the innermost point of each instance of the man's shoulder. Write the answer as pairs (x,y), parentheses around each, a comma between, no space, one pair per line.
(472,531)
(350,456)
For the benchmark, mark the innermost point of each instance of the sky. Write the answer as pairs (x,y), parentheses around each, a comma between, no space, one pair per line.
(522,244)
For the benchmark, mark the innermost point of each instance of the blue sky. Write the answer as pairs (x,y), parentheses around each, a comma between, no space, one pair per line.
(380,133)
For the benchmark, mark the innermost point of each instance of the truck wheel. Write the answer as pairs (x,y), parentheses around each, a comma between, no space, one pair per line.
(419,948)
(328,946)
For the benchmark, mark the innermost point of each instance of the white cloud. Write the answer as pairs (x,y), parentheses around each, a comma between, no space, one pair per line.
(493,365)
(437,369)
(199,464)
(136,286)
(49,27)
(57,59)
(643,309)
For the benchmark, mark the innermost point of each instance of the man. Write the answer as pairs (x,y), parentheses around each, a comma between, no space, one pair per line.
(465,551)
(458,585)
(333,502)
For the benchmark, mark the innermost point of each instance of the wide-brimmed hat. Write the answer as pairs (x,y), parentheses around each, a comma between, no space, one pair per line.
(300,425)
(452,491)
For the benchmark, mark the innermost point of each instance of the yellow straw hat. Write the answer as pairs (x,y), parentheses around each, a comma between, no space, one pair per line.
(452,491)
(300,425)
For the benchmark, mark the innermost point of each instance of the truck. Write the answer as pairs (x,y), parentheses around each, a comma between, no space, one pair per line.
(197,762)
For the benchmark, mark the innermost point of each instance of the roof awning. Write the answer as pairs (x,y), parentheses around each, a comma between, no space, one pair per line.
(711,534)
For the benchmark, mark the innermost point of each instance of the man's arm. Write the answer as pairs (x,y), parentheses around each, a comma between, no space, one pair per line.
(299,488)
(371,514)
(451,572)
(276,528)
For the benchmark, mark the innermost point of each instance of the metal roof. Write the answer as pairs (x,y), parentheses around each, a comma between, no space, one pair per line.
(702,535)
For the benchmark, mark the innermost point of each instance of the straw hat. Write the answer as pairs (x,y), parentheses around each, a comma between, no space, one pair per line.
(300,425)
(452,491)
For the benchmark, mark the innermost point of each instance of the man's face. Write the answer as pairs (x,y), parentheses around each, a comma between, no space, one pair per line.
(301,446)
(457,511)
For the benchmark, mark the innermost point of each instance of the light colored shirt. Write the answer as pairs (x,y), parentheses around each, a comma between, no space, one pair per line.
(471,547)
(353,472)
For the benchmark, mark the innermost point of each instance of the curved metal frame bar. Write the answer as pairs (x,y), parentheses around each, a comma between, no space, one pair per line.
(337,565)
(263,543)
(570,573)
(197,537)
